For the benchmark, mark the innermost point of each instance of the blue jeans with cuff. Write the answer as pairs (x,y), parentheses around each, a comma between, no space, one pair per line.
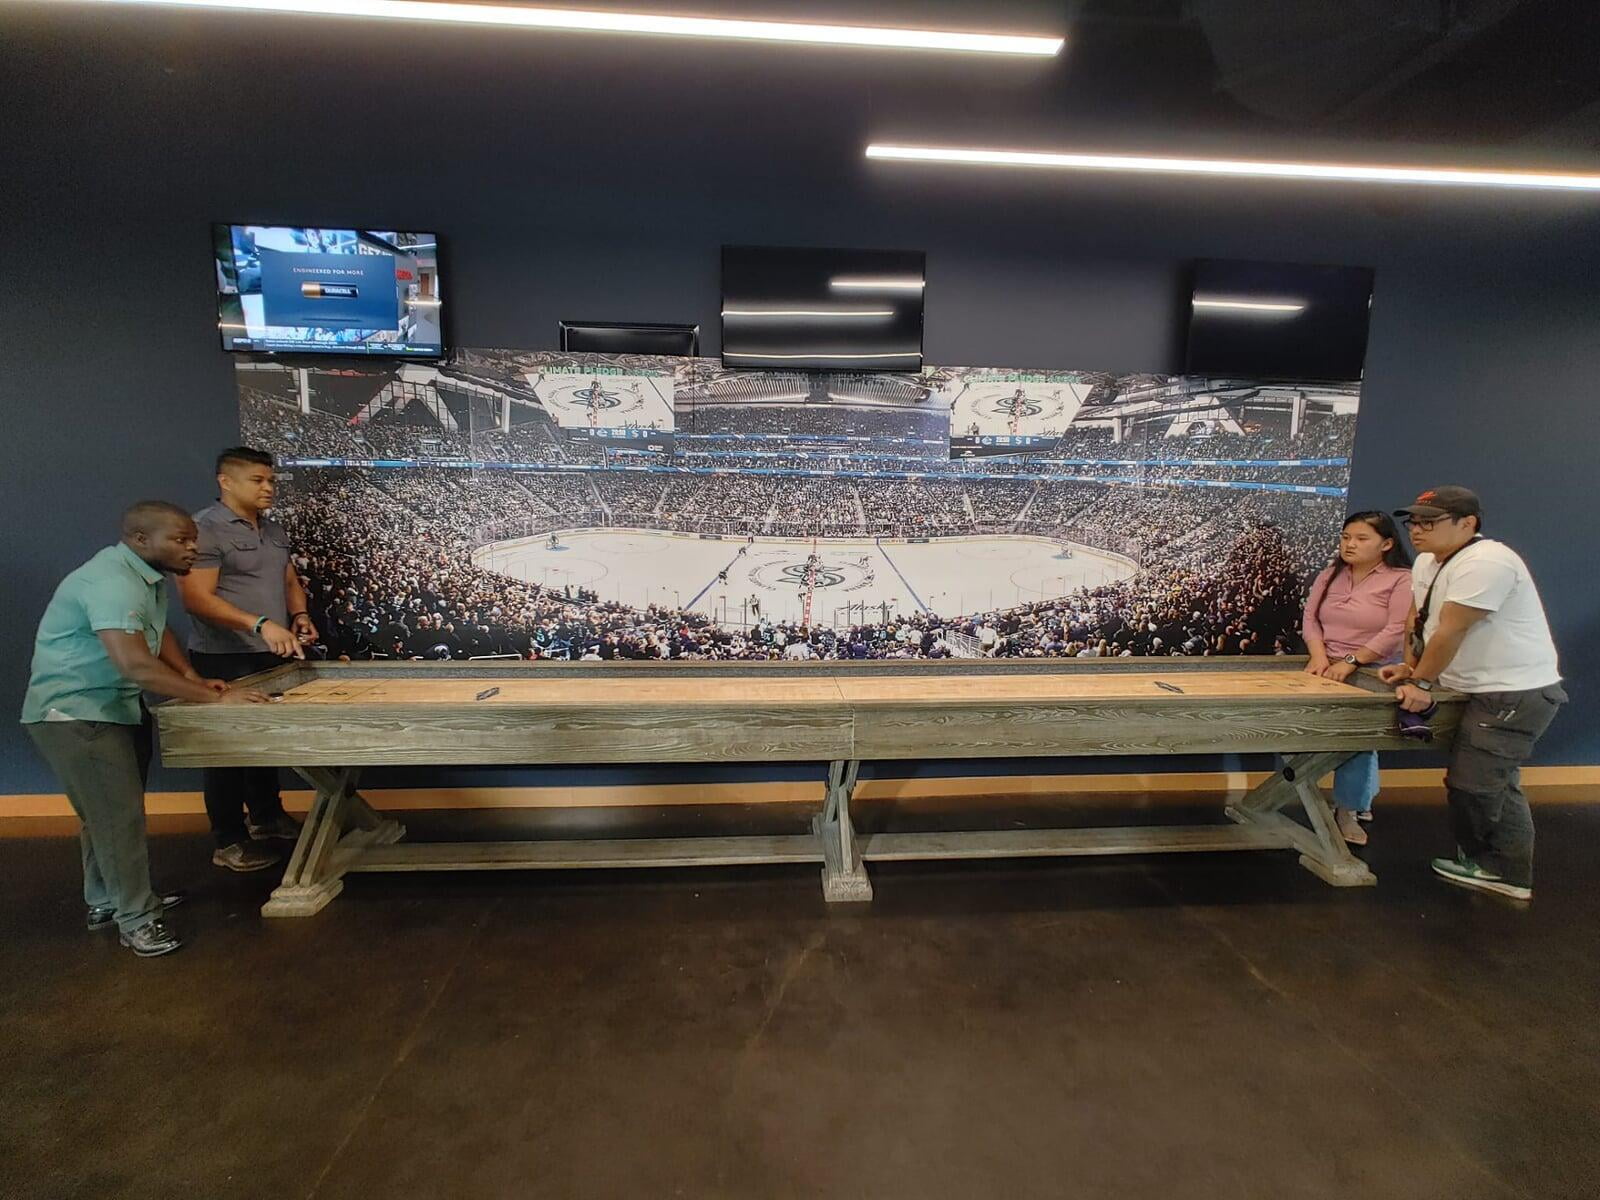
(1355,783)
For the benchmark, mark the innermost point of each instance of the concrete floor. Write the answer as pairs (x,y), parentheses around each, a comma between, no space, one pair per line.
(1190,1026)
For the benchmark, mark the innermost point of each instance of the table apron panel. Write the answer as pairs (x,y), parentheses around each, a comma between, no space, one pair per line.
(260,735)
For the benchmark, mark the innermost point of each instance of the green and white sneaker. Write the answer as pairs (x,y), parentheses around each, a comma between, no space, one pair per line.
(1465,873)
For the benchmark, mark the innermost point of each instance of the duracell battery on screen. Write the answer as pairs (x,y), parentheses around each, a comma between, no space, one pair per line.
(330,291)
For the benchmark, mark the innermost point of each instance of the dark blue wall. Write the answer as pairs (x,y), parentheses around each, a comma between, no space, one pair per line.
(597,179)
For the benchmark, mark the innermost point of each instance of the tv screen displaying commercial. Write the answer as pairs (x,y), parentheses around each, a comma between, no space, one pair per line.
(794,309)
(610,337)
(1261,320)
(288,289)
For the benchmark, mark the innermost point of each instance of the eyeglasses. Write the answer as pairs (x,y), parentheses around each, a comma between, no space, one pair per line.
(1427,526)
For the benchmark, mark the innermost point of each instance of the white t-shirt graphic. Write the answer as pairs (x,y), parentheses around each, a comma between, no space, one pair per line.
(1510,650)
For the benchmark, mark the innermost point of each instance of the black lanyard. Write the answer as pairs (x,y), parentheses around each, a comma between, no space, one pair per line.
(1417,642)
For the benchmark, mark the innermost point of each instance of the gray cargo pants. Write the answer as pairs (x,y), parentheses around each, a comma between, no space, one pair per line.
(102,767)
(1493,824)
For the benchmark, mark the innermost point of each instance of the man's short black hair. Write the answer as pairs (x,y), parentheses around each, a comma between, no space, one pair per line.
(147,516)
(243,456)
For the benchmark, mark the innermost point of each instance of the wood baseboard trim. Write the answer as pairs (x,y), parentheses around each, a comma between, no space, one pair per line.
(779,792)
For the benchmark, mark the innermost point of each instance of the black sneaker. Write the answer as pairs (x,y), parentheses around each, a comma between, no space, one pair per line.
(152,939)
(245,857)
(100,918)
(282,827)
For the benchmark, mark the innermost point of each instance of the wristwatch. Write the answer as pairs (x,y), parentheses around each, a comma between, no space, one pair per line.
(1422,685)
(1352,660)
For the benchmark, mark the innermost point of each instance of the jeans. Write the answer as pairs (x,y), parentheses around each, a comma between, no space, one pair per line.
(1355,783)
(103,767)
(230,791)
(1493,824)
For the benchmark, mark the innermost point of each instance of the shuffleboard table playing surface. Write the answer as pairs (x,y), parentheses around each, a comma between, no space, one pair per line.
(550,689)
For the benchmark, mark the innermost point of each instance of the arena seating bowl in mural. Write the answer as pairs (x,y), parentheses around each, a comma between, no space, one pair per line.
(394,552)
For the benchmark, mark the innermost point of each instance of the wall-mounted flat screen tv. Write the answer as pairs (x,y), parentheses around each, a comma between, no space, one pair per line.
(611,337)
(293,289)
(791,309)
(1265,320)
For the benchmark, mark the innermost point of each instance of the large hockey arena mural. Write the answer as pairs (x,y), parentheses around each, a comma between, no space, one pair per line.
(547,505)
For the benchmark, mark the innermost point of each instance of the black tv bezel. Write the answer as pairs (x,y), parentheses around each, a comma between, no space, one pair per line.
(842,368)
(311,357)
(1190,271)
(634,326)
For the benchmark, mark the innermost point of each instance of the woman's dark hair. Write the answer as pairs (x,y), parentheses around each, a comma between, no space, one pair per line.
(1383,525)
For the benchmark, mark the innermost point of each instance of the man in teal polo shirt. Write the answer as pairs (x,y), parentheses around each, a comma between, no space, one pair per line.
(102,641)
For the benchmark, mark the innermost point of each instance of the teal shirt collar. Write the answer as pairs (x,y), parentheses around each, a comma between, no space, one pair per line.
(146,572)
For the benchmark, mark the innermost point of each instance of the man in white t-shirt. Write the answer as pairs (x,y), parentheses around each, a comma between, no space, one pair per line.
(1477,626)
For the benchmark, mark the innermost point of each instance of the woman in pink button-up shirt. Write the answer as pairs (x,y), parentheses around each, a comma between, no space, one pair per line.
(1355,617)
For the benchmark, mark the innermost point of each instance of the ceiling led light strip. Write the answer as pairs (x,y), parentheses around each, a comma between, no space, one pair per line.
(808,312)
(583,21)
(869,283)
(1261,306)
(1335,172)
(852,357)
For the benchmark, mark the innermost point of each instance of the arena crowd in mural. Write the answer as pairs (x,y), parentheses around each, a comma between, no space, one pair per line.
(542,505)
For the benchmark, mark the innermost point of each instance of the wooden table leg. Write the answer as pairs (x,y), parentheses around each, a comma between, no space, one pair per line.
(363,816)
(339,826)
(1323,851)
(844,877)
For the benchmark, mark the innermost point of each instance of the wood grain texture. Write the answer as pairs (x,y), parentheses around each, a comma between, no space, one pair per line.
(881,847)
(1175,726)
(511,734)
(555,690)
(1129,685)
(1054,843)
(802,690)
(583,855)
(357,714)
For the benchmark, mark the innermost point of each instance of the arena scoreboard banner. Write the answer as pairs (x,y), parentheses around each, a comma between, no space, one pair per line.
(636,441)
(1008,411)
(978,445)
(605,397)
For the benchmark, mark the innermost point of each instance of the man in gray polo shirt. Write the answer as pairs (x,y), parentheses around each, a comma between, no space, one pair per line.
(249,614)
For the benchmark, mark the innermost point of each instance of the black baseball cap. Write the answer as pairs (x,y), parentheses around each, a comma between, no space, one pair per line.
(1439,502)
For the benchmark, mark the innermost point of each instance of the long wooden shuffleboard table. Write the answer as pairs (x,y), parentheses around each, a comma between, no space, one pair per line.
(334,719)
